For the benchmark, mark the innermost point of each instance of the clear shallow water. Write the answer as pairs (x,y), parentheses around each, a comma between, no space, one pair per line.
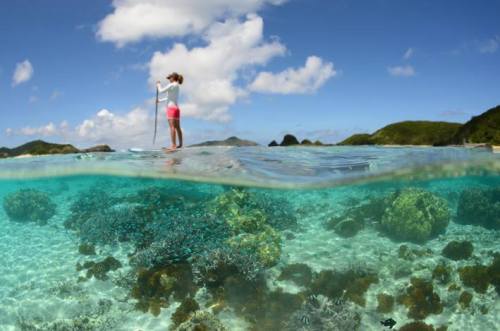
(251,239)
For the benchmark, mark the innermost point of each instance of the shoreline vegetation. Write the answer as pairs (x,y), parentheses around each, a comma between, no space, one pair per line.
(480,131)
(40,147)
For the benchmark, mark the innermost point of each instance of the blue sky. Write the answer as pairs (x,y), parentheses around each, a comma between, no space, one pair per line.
(83,71)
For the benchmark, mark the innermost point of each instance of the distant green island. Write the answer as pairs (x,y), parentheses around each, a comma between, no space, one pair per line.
(231,141)
(40,147)
(481,129)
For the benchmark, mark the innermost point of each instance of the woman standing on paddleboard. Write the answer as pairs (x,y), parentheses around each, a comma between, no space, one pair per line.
(173,110)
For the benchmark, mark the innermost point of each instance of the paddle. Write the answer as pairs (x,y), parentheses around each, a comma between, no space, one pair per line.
(156,116)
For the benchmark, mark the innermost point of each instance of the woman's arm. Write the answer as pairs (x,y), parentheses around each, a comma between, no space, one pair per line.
(162,89)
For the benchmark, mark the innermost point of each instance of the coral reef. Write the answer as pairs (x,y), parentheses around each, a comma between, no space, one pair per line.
(458,250)
(318,313)
(29,205)
(345,227)
(477,276)
(87,204)
(266,245)
(86,249)
(353,282)
(184,311)
(100,269)
(415,215)
(442,274)
(420,299)
(154,286)
(299,273)
(410,254)
(465,299)
(214,266)
(420,326)
(479,207)
(385,303)
(201,321)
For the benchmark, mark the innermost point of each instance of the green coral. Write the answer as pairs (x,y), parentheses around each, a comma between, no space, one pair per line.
(29,205)
(249,226)
(266,244)
(415,215)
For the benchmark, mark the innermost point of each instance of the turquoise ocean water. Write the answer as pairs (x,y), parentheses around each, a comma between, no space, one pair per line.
(257,238)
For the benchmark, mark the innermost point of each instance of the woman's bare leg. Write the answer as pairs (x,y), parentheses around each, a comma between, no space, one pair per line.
(177,125)
(171,124)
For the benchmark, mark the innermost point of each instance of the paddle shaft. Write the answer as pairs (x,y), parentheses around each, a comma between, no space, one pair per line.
(156,116)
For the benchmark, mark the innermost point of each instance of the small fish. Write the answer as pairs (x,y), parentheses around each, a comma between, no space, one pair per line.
(388,322)
(304,319)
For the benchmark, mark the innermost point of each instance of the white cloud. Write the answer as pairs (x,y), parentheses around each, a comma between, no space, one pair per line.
(490,46)
(402,71)
(55,94)
(211,71)
(307,79)
(23,73)
(408,54)
(134,20)
(9,131)
(134,128)
(47,130)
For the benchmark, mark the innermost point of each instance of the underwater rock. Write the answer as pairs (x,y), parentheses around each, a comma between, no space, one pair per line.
(86,249)
(355,283)
(385,303)
(29,205)
(201,321)
(442,274)
(100,269)
(299,273)
(415,215)
(154,287)
(184,311)
(319,313)
(479,207)
(465,299)
(458,250)
(420,299)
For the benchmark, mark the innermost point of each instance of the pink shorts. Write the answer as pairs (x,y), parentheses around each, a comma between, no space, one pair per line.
(173,113)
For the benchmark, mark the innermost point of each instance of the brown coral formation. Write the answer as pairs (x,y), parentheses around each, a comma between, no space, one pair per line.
(385,303)
(420,299)
(458,250)
(154,287)
(351,284)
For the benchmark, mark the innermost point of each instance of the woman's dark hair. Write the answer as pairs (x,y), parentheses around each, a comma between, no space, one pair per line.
(176,77)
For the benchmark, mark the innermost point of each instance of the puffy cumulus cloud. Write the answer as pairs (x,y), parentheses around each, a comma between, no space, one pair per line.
(307,79)
(9,131)
(401,71)
(45,131)
(23,72)
(211,71)
(134,128)
(133,20)
(131,129)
